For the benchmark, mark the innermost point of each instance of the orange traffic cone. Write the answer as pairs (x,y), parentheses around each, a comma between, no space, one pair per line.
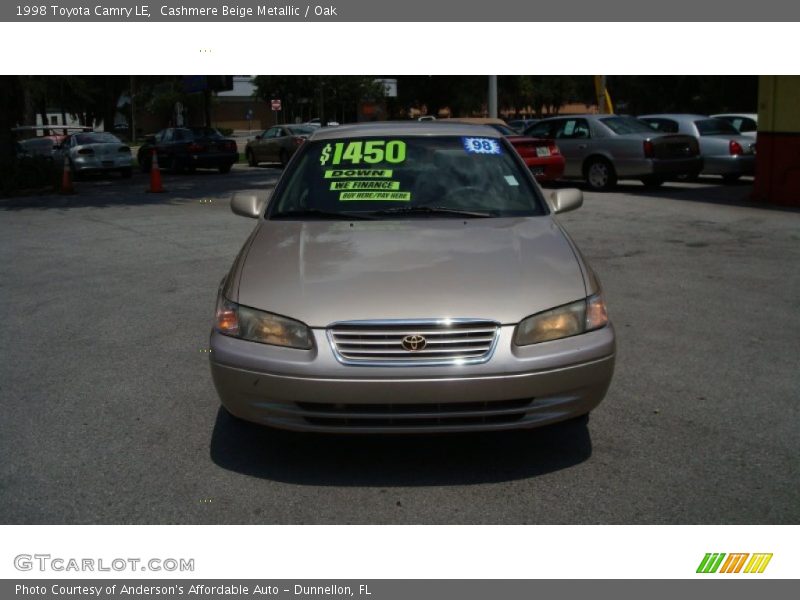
(155,175)
(66,179)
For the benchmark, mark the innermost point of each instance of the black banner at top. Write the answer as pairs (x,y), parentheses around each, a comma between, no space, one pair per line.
(407,10)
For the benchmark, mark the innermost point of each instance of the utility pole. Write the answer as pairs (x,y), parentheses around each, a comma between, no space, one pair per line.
(493,96)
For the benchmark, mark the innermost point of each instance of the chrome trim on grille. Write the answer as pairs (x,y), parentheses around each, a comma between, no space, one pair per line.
(379,343)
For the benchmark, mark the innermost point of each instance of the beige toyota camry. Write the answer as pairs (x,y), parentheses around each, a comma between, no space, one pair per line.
(409,277)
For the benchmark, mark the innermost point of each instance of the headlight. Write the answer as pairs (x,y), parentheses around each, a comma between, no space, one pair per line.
(259,326)
(564,321)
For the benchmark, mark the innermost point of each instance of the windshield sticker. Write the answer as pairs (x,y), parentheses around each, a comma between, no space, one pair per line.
(363,152)
(481,145)
(511,180)
(365,185)
(360,173)
(399,196)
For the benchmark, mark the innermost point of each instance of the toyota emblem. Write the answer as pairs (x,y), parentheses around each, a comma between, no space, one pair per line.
(414,343)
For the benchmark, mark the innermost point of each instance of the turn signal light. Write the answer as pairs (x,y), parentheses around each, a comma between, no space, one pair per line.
(227,321)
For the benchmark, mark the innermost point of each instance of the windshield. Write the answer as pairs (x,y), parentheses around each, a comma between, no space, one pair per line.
(715,127)
(96,138)
(623,125)
(407,175)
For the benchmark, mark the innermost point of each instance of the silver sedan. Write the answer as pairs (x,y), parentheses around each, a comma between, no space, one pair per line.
(724,149)
(603,148)
(95,151)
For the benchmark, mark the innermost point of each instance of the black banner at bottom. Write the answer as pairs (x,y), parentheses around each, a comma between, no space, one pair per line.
(731,588)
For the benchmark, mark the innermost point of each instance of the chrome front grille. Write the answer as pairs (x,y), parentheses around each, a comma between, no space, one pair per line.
(407,343)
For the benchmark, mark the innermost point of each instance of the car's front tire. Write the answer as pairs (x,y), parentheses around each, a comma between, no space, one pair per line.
(251,158)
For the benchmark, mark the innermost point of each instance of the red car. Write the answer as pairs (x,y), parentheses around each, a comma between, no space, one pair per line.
(540,155)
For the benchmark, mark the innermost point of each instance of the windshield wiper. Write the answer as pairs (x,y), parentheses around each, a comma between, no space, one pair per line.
(431,210)
(321,214)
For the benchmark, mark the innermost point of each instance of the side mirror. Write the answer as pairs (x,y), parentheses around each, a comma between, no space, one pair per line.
(247,204)
(566,200)
(258,137)
(150,139)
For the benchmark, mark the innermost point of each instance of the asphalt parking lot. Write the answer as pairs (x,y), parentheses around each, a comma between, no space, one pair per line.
(109,414)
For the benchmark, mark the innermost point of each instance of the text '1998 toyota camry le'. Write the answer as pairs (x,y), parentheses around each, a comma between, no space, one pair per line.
(409,278)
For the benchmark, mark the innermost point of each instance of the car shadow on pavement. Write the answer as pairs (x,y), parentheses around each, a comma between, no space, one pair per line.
(397,460)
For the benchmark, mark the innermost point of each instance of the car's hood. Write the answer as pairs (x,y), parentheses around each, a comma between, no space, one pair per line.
(320,272)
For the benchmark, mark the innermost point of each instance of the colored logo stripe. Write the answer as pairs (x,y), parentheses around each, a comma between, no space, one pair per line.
(758,563)
(710,562)
(733,564)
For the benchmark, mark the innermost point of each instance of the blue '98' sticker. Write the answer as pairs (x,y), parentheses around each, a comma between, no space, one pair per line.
(481,145)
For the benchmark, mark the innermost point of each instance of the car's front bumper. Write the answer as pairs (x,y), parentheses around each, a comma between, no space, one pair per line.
(311,391)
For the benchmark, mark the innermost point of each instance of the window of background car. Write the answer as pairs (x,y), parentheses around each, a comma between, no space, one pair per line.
(715,127)
(542,129)
(206,132)
(96,138)
(503,129)
(744,124)
(373,174)
(300,130)
(572,129)
(663,125)
(623,125)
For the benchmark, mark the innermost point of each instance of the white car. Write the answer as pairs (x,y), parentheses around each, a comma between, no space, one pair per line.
(745,123)
(95,151)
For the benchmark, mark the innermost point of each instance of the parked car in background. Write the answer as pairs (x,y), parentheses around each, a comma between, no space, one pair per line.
(95,151)
(604,148)
(541,156)
(745,123)
(277,144)
(725,151)
(520,125)
(44,147)
(189,148)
